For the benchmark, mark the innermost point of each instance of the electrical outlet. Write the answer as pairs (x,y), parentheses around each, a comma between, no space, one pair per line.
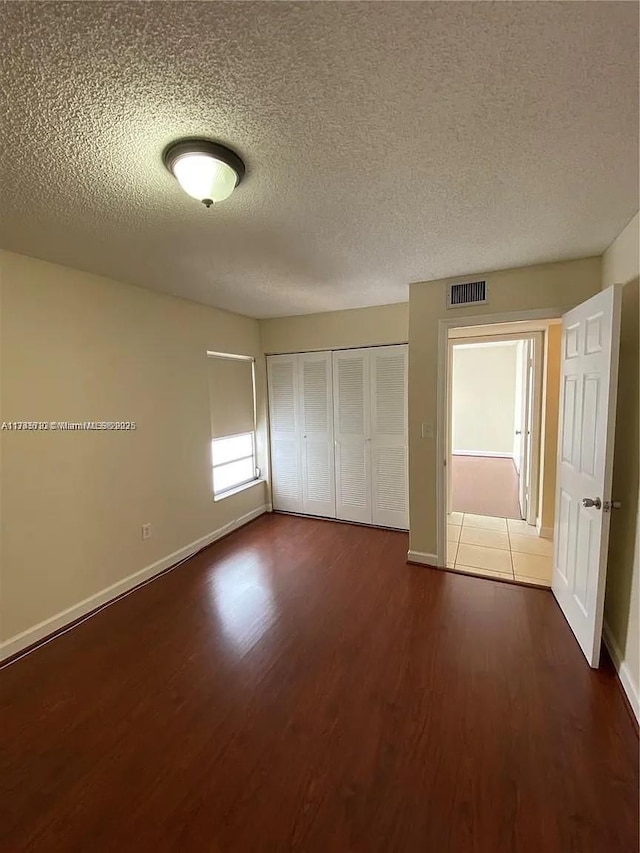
(427,430)
(146,531)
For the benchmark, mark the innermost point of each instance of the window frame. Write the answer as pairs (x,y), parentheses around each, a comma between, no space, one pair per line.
(254,454)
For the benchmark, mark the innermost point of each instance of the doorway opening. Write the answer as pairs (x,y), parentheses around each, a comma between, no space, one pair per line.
(501,427)
(577,432)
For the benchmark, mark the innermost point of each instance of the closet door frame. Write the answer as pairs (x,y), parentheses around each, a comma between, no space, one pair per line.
(338,444)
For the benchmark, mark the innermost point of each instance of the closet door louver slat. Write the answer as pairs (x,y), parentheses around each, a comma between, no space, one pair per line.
(389,457)
(284,419)
(352,426)
(318,475)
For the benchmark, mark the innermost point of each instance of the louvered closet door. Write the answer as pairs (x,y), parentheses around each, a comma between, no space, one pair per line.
(284,420)
(389,451)
(351,396)
(316,405)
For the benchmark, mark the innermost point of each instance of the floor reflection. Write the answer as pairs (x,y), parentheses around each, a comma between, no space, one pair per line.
(242,594)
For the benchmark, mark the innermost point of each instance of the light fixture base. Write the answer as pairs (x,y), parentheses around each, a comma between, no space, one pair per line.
(203,146)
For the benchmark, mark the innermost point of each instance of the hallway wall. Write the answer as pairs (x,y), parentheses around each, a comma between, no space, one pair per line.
(483,398)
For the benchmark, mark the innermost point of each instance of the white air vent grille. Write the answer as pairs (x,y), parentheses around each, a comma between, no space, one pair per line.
(467,293)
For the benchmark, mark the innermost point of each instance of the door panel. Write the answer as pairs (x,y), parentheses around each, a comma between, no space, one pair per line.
(390,505)
(284,419)
(591,334)
(525,427)
(389,479)
(519,415)
(316,400)
(351,394)
(353,494)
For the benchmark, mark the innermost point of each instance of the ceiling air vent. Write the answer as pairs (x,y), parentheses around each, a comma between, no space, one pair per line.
(468,293)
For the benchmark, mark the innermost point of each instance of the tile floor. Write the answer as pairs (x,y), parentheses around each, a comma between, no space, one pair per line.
(498,547)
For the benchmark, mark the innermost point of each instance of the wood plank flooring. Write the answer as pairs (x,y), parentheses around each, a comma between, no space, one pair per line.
(298,687)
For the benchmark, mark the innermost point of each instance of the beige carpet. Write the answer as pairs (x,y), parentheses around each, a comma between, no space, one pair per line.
(484,485)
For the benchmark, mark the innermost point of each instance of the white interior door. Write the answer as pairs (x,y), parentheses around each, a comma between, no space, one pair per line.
(316,405)
(589,378)
(518,420)
(351,395)
(524,424)
(534,426)
(449,429)
(389,452)
(284,420)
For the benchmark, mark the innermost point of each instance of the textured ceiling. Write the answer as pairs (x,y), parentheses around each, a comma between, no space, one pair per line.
(385,142)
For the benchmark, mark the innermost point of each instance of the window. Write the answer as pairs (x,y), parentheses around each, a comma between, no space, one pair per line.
(234,461)
(233,418)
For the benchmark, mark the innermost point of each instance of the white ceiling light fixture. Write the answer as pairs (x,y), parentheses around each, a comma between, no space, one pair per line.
(204,169)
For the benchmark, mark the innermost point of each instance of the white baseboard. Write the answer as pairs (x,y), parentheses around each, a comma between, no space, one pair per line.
(624,674)
(422,558)
(489,453)
(100,599)
(544,532)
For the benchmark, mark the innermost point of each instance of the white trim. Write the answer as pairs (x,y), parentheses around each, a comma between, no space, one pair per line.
(422,558)
(441,421)
(230,356)
(544,532)
(507,331)
(236,489)
(470,343)
(624,673)
(490,453)
(535,439)
(103,598)
(336,349)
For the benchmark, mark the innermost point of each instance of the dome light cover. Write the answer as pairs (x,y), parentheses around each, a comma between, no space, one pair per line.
(204,169)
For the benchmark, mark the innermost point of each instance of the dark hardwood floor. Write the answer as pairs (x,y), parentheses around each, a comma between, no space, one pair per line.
(298,687)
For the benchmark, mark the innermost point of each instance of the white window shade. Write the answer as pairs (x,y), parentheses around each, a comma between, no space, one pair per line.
(231,396)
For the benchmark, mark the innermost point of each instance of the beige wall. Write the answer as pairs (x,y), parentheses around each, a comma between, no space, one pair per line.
(75,346)
(560,285)
(483,398)
(549,443)
(621,265)
(357,327)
